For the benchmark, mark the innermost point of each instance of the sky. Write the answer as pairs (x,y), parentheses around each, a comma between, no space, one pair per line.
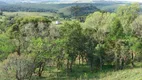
(111,0)
(73,0)
(131,0)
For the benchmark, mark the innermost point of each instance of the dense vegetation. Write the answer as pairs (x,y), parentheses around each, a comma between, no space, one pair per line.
(32,47)
(31,7)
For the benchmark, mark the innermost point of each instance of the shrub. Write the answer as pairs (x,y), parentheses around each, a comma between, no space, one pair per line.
(17,67)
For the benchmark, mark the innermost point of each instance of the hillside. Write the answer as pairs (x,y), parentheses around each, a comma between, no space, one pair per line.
(33,7)
(129,74)
(82,10)
(106,74)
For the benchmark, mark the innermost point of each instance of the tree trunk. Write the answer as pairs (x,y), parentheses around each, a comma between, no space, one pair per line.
(18,51)
(133,60)
(17,77)
(19,48)
(91,66)
(120,63)
(71,64)
(79,59)
(123,63)
(41,68)
(39,72)
(67,65)
(101,63)
(116,62)
(82,60)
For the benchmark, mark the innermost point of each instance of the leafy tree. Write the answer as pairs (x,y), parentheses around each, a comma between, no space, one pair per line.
(97,26)
(28,34)
(24,29)
(136,37)
(6,47)
(70,34)
(127,15)
(1,13)
(17,67)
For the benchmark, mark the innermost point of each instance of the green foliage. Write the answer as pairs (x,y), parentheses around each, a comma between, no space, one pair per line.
(1,13)
(17,67)
(39,47)
(127,15)
(116,31)
(78,10)
(6,46)
(71,34)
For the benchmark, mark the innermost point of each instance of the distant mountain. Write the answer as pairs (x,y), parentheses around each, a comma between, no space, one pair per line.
(10,1)
(38,1)
(28,1)
(80,10)
(1,3)
(57,1)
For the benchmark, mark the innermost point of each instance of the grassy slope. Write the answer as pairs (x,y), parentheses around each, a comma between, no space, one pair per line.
(83,73)
(129,74)
(31,14)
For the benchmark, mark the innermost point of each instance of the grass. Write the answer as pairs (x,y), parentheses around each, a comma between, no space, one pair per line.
(83,73)
(30,14)
(128,74)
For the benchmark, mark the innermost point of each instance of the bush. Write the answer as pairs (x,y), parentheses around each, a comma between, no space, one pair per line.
(17,67)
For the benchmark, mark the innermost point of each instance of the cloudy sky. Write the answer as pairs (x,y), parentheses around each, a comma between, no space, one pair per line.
(127,0)
(96,0)
(109,0)
(131,0)
(70,0)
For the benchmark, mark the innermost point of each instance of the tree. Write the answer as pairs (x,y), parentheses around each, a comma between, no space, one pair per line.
(17,67)
(89,48)
(1,13)
(6,47)
(75,10)
(28,34)
(97,27)
(24,29)
(70,34)
(136,37)
(119,44)
(43,48)
(127,15)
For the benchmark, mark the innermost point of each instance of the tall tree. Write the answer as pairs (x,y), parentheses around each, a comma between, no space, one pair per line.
(127,15)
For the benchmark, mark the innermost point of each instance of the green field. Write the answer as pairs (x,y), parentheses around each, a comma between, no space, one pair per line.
(82,73)
(30,14)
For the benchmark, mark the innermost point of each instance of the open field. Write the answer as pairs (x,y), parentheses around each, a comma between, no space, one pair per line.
(30,14)
(82,73)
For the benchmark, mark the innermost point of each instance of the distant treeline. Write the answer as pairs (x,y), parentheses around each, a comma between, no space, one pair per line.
(33,7)
(15,8)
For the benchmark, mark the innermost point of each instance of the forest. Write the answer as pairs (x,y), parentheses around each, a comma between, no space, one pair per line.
(105,46)
(31,7)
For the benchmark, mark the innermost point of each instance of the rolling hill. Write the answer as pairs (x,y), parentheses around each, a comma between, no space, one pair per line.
(60,1)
